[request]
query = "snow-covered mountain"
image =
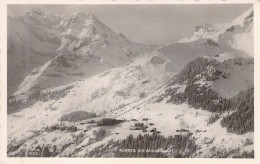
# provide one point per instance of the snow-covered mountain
(129, 92)
(186, 89)
(237, 34)
(63, 49)
(32, 41)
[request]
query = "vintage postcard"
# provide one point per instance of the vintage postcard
(115, 80)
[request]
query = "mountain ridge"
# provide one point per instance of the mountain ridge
(187, 92)
(82, 35)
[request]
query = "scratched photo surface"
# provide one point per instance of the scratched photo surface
(148, 81)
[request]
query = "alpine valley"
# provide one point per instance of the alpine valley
(78, 89)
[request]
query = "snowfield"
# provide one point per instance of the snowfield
(92, 69)
(166, 118)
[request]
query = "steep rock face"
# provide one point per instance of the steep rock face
(46, 40)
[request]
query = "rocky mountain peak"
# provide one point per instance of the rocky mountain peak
(35, 12)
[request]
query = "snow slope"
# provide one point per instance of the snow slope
(119, 91)
(225, 77)
(30, 44)
(96, 70)
(180, 54)
(237, 34)
(166, 117)
(115, 88)
(87, 47)
(241, 78)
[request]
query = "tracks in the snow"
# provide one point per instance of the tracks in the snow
(144, 100)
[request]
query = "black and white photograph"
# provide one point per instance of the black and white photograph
(130, 80)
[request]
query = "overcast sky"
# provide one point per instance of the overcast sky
(150, 24)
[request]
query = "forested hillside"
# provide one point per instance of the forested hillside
(196, 81)
(242, 119)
